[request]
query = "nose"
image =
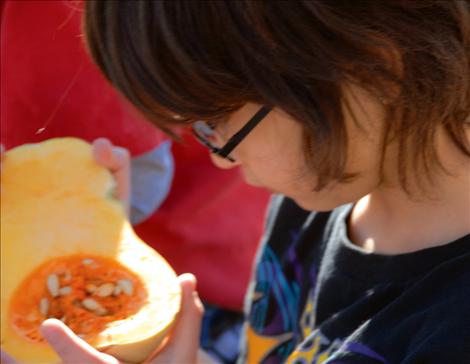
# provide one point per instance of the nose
(223, 163)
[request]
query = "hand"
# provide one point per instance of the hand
(181, 345)
(117, 161)
(6, 359)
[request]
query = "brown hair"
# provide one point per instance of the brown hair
(206, 59)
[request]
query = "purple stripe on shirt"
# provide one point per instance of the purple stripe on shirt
(364, 350)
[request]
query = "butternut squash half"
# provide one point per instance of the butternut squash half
(69, 252)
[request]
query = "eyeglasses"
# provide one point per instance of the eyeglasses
(206, 134)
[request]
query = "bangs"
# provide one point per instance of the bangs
(174, 67)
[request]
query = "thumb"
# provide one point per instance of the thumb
(192, 309)
(70, 347)
(6, 359)
(183, 343)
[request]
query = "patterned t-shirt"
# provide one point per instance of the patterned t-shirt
(317, 298)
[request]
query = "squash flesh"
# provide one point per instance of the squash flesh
(55, 202)
(80, 280)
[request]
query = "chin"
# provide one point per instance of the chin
(254, 183)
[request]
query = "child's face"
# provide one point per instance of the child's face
(271, 155)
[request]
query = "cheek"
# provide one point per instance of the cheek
(287, 176)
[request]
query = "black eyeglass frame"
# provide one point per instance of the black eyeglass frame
(237, 137)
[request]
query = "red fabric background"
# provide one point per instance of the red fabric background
(211, 222)
(47, 81)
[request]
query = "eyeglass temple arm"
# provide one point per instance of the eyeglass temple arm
(243, 132)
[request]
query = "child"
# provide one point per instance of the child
(356, 114)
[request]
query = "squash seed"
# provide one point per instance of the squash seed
(117, 290)
(105, 290)
(87, 261)
(44, 306)
(91, 304)
(126, 286)
(53, 284)
(64, 291)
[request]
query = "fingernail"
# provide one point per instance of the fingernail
(187, 277)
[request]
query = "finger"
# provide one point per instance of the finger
(70, 347)
(6, 359)
(189, 320)
(109, 156)
(102, 151)
(183, 343)
(191, 300)
(117, 160)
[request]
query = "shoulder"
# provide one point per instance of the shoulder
(445, 329)
(432, 315)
